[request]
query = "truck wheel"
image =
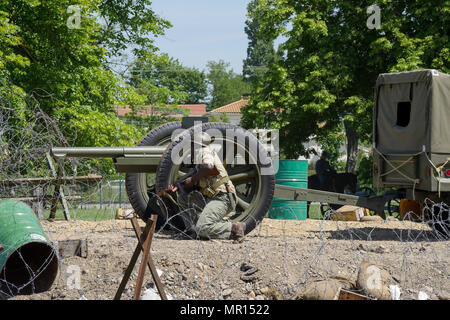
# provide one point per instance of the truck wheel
(254, 181)
(138, 184)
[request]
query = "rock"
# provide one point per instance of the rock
(264, 290)
(227, 292)
(260, 297)
(252, 295)
(179, 269)
(375, 280)
(250, 278)
(428, 289)
(202, 266)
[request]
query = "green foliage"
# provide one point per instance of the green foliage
(64, 70)
(148, 122)
(329, 60)
(219, 118)
(332, 144)
(260, 52)
(226, 86)
(164, 80)
(365, 170)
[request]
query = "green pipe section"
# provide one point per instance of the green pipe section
(28, 261)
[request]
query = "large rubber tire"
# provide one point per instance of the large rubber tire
(137, 184)
(260, 188)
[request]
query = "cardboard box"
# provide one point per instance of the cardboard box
(348, 213)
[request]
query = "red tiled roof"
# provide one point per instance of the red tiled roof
(234, 107)
(194, 110)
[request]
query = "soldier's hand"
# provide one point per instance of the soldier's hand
(172, 188)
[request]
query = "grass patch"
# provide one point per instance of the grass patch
(84, 214)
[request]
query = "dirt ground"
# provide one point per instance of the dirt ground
(286, 253)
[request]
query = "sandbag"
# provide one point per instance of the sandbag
(374, 280)
(325, 289)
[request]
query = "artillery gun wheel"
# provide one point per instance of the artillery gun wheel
(255, 188)
(139, 184)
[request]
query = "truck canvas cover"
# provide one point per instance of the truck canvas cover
(412, 110)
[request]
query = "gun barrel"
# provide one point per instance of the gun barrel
(107, 152)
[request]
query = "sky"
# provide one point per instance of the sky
(204, 30)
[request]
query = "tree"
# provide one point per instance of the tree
(330, 60)
(64, 68)
(57, 55)
(226, 86)
(164, 80)
(260, 52)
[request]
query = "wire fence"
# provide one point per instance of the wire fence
(279, 259)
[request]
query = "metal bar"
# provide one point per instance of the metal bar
(46, 197)
(150, 263)
(133, 260)
(144, 261)
(107, 152)
(300, 194)
(128, 271)
(88, 178)
(401, 154)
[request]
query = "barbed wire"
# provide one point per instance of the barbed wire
(279, 259)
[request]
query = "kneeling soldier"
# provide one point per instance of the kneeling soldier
(212, 180)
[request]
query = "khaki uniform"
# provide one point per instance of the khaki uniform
(220, 203)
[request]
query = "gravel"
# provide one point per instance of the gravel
(274, 261)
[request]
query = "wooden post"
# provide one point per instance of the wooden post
(144, 245)
(150, 262)
(38, 203)
(58, 193)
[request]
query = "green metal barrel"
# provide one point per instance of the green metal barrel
(28, 261)
(292, 173)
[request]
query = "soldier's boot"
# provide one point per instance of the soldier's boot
(237, 232)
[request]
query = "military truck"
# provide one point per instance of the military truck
(411, 134)
(411, 140)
